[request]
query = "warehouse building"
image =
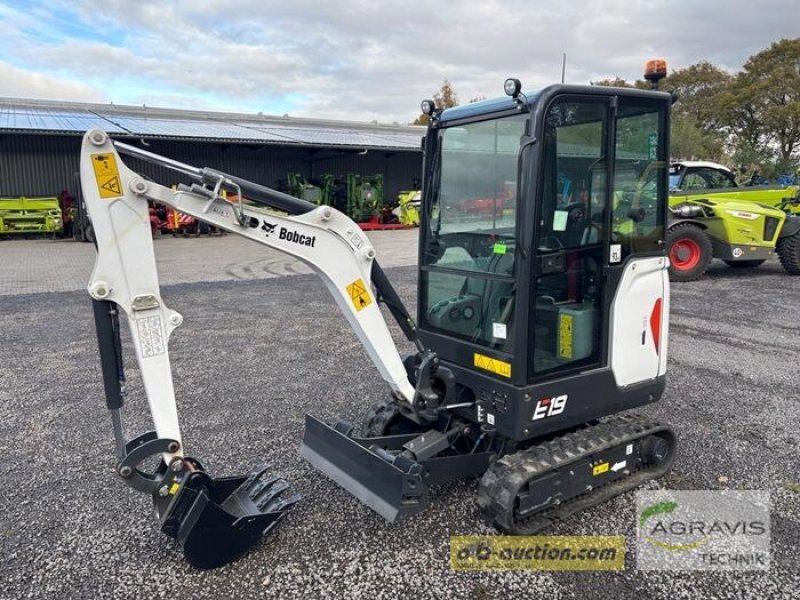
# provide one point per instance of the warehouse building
(40, 145)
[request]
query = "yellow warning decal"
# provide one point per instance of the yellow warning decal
(107, 174)
(565, 336)
(174, 488)
(493, 365)
(359, 295)
(600, 469)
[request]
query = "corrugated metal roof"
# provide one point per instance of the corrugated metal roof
(176, 128)
(37, 116)
(19, 117)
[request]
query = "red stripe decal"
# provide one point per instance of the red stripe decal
(655, 324)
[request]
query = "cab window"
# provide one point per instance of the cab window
(707, 178)
(640, 178)
(571, 238)
(467, 281)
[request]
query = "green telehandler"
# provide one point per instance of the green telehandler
(712, 217)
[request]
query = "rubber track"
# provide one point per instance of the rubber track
(500, 485)
(376, 421)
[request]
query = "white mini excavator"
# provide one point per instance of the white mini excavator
(542, 312)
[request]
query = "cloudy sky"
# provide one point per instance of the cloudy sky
(356, 59)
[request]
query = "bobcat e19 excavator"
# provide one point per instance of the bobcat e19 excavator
(536, 318)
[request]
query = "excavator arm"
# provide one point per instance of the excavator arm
(214, 519)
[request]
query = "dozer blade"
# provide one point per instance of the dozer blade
(389, 484)
(216, 520)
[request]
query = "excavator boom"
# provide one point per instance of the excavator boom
(214, 519)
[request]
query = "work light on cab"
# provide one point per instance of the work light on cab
(427, 107)
(512, 87)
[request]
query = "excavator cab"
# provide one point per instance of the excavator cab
(543, 297)
(522, 290)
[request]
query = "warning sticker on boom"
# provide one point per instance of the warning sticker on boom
(106, 172)
(359, 295)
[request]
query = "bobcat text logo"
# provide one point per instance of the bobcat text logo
(297, 238)
(549, 407)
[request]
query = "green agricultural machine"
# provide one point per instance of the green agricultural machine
(30, 215)
(317, 190)
(364, 196)
(358, 196)
(712, 217)
(408, 207)
(699, 178)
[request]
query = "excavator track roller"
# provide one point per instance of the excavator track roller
(526, 491)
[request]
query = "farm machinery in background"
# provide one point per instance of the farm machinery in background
(360, 197)
(408, 206)
(713, 217)
(178, 222)
(30, 215)
(318, 190)
(163, 220)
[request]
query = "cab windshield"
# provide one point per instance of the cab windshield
(471, 240)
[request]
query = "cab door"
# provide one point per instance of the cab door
(570, 238)
(638, 281)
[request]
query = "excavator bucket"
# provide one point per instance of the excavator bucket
(391, 485)
(216, 520)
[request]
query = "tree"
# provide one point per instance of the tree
(698, 122)
(690, 142)
(446, 97)
(620, 82)
(769, 89)
(748, 118)
(699, 88)
(609, 82)
(739, 110)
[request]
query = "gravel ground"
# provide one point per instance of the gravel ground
(253, 356)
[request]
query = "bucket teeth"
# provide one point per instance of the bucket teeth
(260, 487)
(255, 475)
(269, 492)
(277, 504)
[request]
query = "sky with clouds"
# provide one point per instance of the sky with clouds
(355, 59)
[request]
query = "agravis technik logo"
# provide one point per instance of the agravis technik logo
(703, 530)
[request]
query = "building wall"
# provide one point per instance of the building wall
(37, 165)
(43, 165)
